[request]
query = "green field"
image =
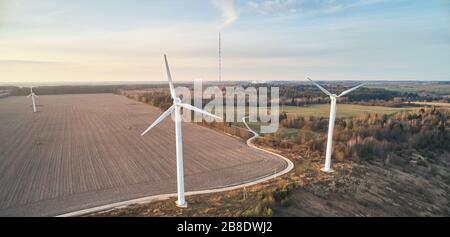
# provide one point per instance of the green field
(438, 88)
(343, 110)
(323, 110)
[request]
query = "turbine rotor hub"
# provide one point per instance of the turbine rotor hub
(177, 101)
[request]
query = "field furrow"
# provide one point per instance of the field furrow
(82, 151)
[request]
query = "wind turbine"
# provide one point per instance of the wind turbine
(327, 167)
(177, 105)
(33, 96)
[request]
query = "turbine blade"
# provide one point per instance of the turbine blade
(169, 78)
(195, 109)
(350, 90)
(28, 96)
(158, 120)
(321, 88)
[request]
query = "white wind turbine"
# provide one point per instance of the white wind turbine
(327, 167)
(33, 99)
(177, 105)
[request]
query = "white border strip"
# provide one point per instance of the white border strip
(148, 199)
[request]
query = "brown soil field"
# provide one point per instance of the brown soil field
(83, 151)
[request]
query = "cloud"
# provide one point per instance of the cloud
(317, 7)
(229, 11)
(25, 62)
(2, 11)
(273, 6)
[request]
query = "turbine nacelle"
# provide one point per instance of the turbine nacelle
(32, 94)
(177, 105)
(334, 95)
(177, 101)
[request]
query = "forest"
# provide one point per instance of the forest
(369, 136)
(363, 137)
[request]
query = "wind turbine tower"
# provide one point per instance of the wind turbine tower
(176, 107)
(333, 97)
(33, 99)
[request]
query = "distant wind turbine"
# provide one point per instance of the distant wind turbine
(327, 167)
(177, 105)
(33, 98)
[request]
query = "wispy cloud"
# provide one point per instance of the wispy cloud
(229, 11)
(25, 62)
(272, 6)
(270, 39)
(317, 7)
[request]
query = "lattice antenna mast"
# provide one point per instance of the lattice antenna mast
(220, 57)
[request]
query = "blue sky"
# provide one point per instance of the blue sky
(120, 40)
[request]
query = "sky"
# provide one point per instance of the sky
(125, 40)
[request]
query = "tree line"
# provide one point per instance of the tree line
(370, 136)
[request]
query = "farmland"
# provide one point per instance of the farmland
(343, 110)
(436, 104)
(82, 151)
(441, 88)
(323, 110)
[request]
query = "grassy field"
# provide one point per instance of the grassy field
(343, 110)
(323, 110)
(437, 104)
(438, 88)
